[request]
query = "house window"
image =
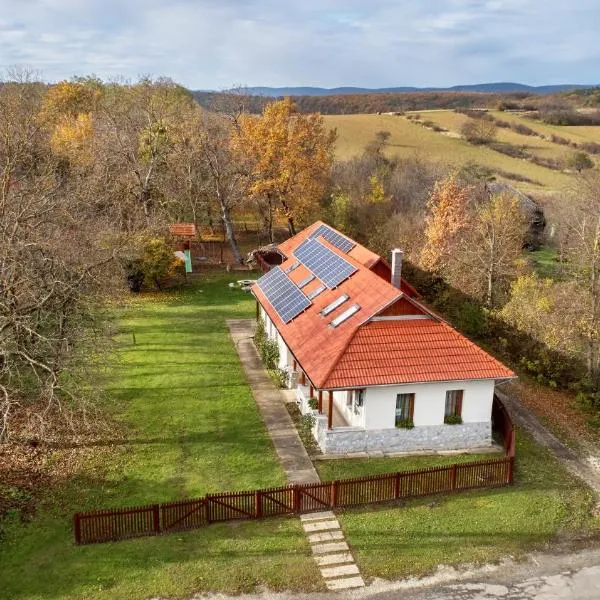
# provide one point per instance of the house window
(349, 398)
(405, 407)
(359, 400)
(454, 400)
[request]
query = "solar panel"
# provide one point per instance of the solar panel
(283, 294)
(333, 237)
(330, 268)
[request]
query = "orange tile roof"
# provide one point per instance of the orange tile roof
(183, 229)
(411, 351)
(359, 352)
(315, 344)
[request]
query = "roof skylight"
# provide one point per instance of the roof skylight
(305, 281)
(316, 292)
(337, 302)
(351, 310)
(293, 266)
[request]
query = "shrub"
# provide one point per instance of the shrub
(522, 129)
(509, 149)
(156, 264)
(557, 139)
(405, 424)
(579, 161)
(591, 147)
(260, 335)
(281, 377)
(453, 420)
(479, 131)
(305, 430)
(270, 354)
(313, 403)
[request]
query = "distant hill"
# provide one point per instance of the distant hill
(498, 88)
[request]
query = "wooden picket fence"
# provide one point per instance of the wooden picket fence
(122, 523)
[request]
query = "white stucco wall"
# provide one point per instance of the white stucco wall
(430, 401)
(353, 418)
(285, 356)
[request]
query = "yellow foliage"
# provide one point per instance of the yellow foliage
(72, 138)
(289, 157)
(447, 217)
(68, 99)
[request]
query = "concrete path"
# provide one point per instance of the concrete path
(330, 550)
(271, 403)
(569, 458)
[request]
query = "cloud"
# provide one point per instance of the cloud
(216, 43)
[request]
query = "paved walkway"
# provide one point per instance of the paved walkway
(330, 550)
(570, 459)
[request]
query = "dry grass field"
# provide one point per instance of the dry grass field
(409, 139)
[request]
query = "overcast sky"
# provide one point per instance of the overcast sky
(214, 44)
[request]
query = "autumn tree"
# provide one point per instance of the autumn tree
(447, 218)
(479, 131)
(288, 159)
(579, 161)
(489, 255)
(580, 233)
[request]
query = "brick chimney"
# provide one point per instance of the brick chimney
(396, 267)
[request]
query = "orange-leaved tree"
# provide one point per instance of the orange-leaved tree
(447, 217)
(288, 158)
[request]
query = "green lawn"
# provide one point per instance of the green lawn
(545, 262)
(192, 427)
(340, 468)
(470, 527)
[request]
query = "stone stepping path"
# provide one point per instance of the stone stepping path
(331, 552)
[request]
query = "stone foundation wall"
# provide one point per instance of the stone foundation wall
(343, 440)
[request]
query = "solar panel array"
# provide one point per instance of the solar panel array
(283, 294)
(333, 237)
(330, 268)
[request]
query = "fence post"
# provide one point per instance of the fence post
(297, 498)
(257, 505)
(397, 486)
(334, 493)
(207, 512)
(453, 477)
(77, 528)
(511, 464)
(156, 518)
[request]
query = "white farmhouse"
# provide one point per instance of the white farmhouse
(377, 368)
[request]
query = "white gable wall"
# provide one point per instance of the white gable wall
(430, 402)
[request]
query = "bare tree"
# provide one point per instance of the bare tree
(51, 265)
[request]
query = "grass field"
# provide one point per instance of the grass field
(354, 131)
(473, 527)
(192, 427)
(532, 144)
(409, 139)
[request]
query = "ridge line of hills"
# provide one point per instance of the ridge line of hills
(495, 87)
